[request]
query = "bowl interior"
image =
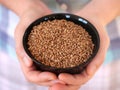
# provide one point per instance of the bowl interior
(69, 17)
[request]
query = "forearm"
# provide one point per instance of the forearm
(103, 10)
(22, 6)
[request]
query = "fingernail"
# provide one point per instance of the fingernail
(26, 61)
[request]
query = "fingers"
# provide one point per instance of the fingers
(37, 77)
(40, 77)
(78, 79)
(30, 72)
(63, 87)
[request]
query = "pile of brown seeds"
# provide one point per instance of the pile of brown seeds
(60, 43)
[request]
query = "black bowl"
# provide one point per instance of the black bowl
(69, 17)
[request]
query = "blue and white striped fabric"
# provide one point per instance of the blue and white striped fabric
(11, 76)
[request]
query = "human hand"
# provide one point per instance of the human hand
(29, 70)
(74, 82)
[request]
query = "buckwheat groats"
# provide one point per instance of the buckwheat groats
(60, 44)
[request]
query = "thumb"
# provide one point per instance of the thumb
(23, 58)
(21, 54)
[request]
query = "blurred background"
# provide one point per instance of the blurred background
(11, 76)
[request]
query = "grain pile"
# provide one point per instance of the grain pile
(60, 43)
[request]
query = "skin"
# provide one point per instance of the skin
(34, 9)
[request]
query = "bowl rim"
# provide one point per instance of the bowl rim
(83, 20)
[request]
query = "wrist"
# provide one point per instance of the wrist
(92, 17)
(34, 11)
(33, 7)
(103, 10)
(16, 6)
(20, 7)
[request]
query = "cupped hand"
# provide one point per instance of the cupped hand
(29, 70)
(74, 82)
